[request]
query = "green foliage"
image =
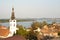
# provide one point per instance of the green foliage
(53, 22)
(31, 35)
(44, 23)
(35, 25)
(4, 20)
(59, 33)
(21, 31)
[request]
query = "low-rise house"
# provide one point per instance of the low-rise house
(49, 31)
(28, 29)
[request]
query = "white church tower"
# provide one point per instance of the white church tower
(12, 21)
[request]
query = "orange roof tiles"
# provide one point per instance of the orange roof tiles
(15, 37)
(3, 27)
(4, 31)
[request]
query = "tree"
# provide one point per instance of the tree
(44, 23)
(21, 31)
(53, 22)
(35, 25)
(59, 33)
(31, 35)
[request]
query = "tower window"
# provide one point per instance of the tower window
(13, 21)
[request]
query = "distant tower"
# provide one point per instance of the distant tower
(12, 23)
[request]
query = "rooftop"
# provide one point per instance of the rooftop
(16, 37)
(4, 31)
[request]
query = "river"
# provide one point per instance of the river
(28, 23)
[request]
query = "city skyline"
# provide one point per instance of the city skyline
(30, 8)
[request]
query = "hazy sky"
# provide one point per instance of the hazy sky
(30, 8)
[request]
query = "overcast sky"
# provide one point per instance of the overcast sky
(30, 8)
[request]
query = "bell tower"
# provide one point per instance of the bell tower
(12, 23)
(12, 16)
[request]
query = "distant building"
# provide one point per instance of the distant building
(49, 31)
(38, 30)
(56, 24)
(28, 29)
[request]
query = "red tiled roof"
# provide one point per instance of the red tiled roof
(4, 31)
(3, 27)
(16, 37)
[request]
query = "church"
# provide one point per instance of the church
(5, 32)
